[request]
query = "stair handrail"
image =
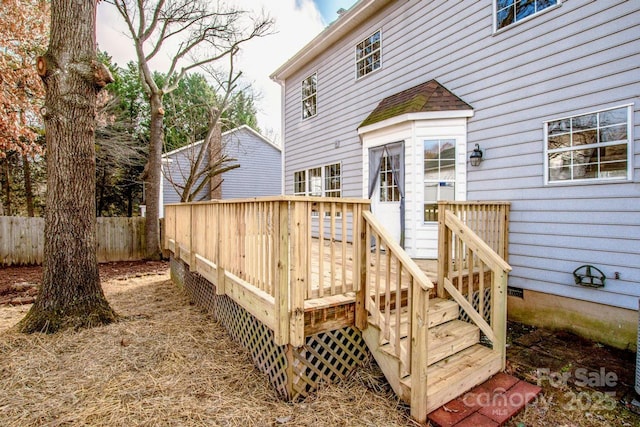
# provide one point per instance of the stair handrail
(496, 331)
(413, 361)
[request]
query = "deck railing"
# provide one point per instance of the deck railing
(475, 276)
(272, 255)
(489, 220)
(397, 300)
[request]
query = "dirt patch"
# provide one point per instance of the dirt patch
(18, 285)
(584, 383)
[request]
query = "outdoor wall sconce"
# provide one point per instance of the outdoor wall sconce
(476, 156)
(588, 275)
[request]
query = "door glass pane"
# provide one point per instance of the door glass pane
(389, 191)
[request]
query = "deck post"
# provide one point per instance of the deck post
(300, 260)
(220, 286)
(281, 279)
(360, 264)
(443, 249)
(419, 349)
(499, 313)
(504, 232)
(192, 252)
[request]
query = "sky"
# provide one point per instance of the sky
(297, 22)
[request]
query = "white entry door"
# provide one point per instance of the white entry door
(386, 197)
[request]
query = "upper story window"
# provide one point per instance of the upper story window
(593, 146)
(511, 11)
(309, 99)
(368, 55)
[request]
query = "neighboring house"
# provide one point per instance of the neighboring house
(259, 174)
(391, 99)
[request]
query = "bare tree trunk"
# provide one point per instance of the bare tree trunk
(26, 170)
(71, 295)
(152, 178)
(215, 154)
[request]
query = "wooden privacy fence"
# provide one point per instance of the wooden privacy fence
(22, 239)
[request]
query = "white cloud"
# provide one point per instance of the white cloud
(296, 23)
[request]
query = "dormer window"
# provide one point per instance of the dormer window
(309, 99)
(368, 55)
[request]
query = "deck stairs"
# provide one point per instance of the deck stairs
(456, 360)
(426, 338)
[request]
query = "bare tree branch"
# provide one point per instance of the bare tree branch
(205, 33)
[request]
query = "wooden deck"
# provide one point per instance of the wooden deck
(319, 275)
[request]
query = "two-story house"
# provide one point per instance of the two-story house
(535, 102)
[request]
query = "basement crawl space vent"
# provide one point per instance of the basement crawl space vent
(515, 292)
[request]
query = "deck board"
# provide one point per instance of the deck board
(334, 274)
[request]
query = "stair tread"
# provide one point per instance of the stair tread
(459, 373)
(440, 311)
(445, 340)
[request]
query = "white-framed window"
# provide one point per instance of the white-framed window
(509, 12)
(309, 96)
(321, 181)
(333, 180)
(369, 55)
(439, 175)
(300, 183)
(594, 146)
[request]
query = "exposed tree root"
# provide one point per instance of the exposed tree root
(50, 321)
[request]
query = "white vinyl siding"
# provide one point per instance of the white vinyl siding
(582, 56)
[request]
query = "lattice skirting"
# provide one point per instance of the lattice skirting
(294, 372)
(486, 313)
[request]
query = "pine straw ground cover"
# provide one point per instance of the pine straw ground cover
(166, 363)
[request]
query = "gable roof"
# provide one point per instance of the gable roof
(252, 131)
(427, 97)
(357, 14)
(225, 135)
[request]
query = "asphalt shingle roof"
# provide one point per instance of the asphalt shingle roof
(425, 97)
